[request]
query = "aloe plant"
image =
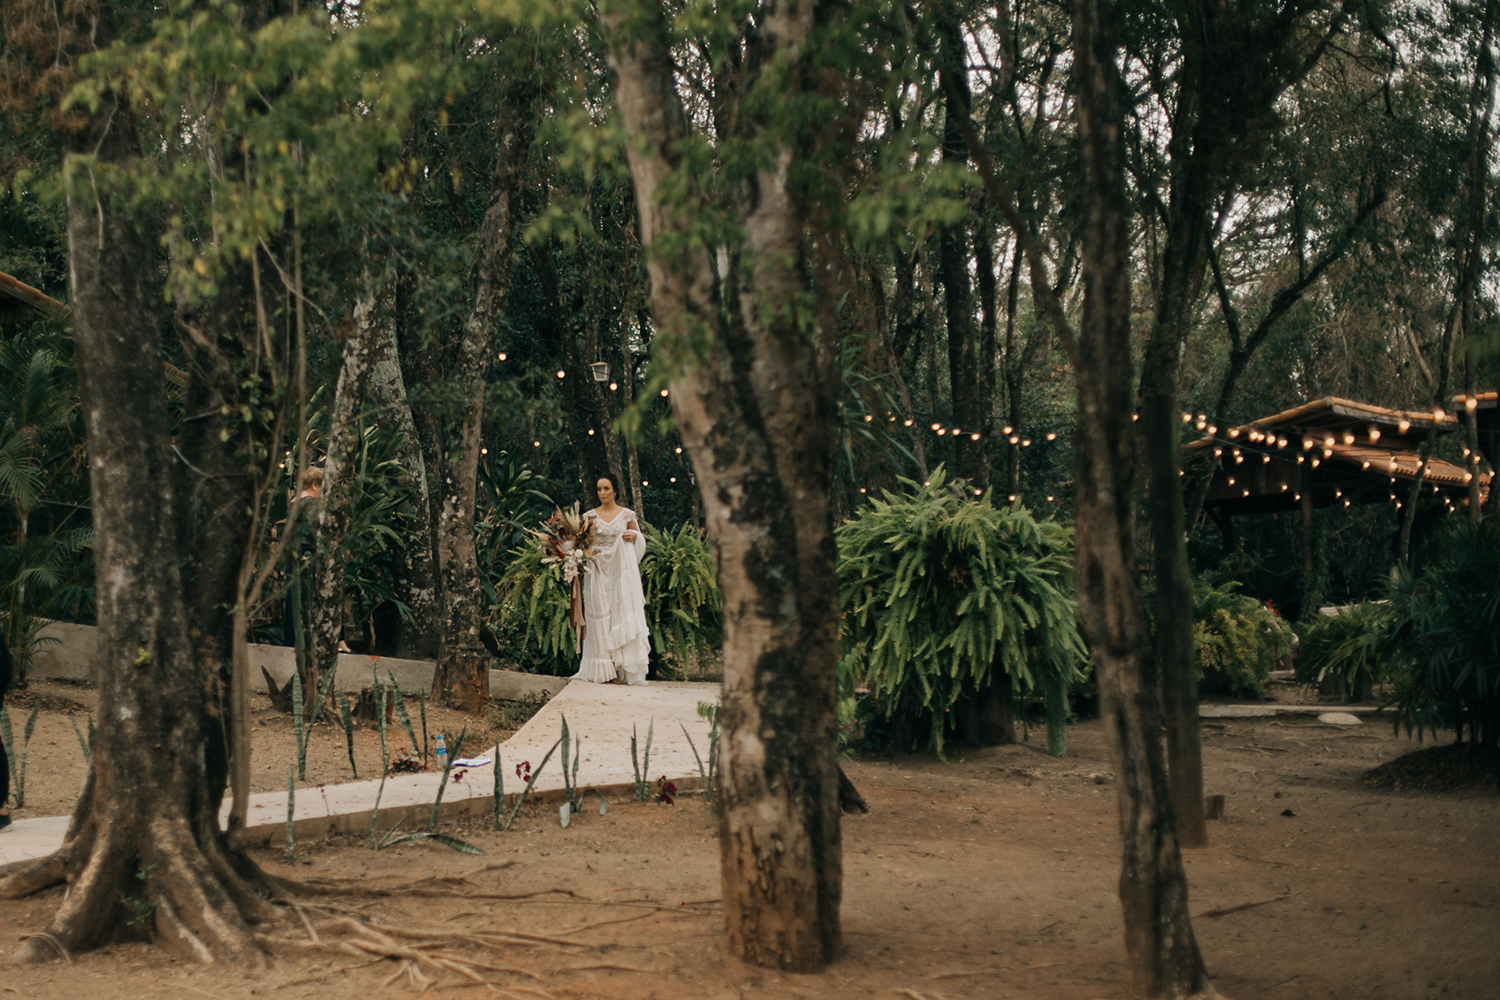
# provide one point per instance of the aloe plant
(405, 718)
(346, 720)
(454, 754)
(18, 761)
(642, 772)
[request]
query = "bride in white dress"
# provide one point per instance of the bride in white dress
(615, 638)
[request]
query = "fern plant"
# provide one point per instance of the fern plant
(533, 609)
(1343, 645)
(1236, 639)
(683, 603)
(942, 597)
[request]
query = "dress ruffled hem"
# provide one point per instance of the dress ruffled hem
(598, 671)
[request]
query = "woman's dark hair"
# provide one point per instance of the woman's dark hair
(614, 481)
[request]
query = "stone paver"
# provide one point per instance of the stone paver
(601, 714)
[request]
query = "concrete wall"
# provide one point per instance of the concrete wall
(69, 653)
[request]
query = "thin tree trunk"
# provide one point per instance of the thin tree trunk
(953, 253)
(984, 259)
(416, 573)
(1153, 888)
(461, 679)
(893, 361)
(586, 422)
(756, 414)
(331, 514)
(422, 456)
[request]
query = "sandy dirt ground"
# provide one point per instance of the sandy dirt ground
(990, 876)
(54, 759)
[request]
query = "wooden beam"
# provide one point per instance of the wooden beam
(26, 295)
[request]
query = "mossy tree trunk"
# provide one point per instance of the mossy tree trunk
(753, 393)
(143, 851)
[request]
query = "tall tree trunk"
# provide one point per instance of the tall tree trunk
(144, 838)
(461, 679)
(755, 410)
(1153, 888)
(1015, 371)
(984, 260)
(332, 513)
(421, 455)
(953, 251)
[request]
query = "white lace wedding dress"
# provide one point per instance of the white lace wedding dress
(615, 640)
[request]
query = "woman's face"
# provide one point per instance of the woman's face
(606, 492)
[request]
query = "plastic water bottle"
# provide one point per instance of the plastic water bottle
(442, 753)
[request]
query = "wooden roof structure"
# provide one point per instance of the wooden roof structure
(19, 300)
(1332, 452)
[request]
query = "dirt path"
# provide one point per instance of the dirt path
(992, 876)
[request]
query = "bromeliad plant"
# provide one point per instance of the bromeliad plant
(943, 596)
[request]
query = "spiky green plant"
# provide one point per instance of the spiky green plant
(942, 594)
(1236, 639)
(499, 777)
(291, 808)
(378, 696)
(304, 732)
(458, 749)
(1443, 634)
(346, 720)
(18, 760)
(1343, 645)
(570, 781)
(86, 745)
(401, 714)
(642, 774)
(530, 781)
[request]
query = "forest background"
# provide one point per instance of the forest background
(394, 240)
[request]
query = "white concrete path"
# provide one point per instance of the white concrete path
(601, 714)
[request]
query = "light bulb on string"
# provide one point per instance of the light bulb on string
(500, 356)
(561, 373)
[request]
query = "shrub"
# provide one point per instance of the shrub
(534, 613)
(1236, 640)
(683, 604)
(1343, 645)
(1443, 630)
(943, 598)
